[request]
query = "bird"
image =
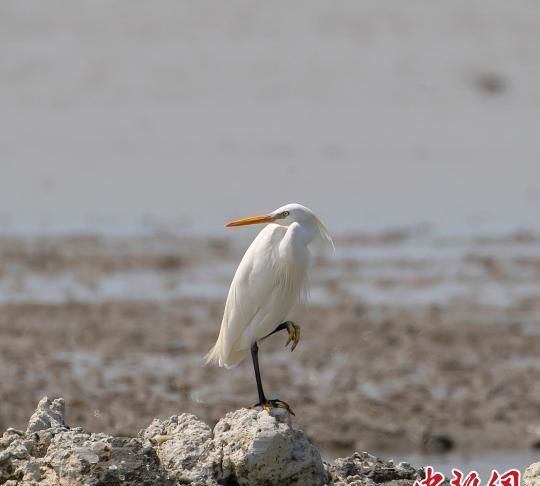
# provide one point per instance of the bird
(270, 279)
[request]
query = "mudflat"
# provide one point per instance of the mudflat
(411, 341)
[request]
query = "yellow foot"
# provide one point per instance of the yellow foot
(293, 330)
(270, 404)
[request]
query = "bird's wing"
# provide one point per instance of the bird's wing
(254, 282)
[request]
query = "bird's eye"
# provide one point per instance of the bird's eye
(285, 214)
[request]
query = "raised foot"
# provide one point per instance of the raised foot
(270, 404)
(293, 330)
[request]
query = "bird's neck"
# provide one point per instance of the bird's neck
(302, 233)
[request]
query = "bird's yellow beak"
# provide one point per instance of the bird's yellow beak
(252, 220)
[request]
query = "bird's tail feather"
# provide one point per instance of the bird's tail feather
(213, 356)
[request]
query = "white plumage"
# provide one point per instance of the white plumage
(270, 279)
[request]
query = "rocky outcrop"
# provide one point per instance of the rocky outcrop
(49, 453)
(246, 447)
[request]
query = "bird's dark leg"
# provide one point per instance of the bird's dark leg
(263, 401)
(293, 330)
(255, 357)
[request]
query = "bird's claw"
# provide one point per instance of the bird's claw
(293, 330)
(270, 404)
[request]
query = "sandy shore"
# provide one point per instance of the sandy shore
(422, 363)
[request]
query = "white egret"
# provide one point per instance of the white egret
(270, 279)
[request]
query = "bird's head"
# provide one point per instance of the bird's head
(288, 214)
(284, 216)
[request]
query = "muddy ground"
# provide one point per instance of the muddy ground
(412, 341)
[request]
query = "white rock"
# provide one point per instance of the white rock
(261, 448)
(184, 446)
(532, 475)
(47, 415)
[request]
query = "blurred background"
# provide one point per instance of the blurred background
(131, 131)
